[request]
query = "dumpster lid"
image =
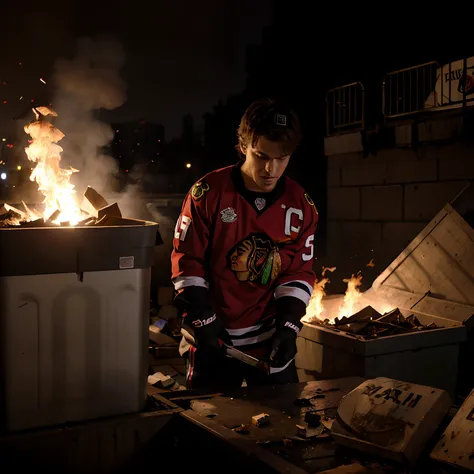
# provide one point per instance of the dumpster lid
(435, 272)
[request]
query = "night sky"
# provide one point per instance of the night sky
(180, 56)
(184, 56)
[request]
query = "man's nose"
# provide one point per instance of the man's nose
(269, 166)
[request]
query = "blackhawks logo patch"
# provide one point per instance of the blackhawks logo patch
(199, 190)
(255, 259)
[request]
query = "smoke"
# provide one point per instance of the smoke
(86, 84)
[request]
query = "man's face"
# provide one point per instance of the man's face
(264, 165)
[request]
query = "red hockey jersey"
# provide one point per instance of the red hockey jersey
(249, 251)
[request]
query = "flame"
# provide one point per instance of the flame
(53, 181)
(315, 307)
(351, 296)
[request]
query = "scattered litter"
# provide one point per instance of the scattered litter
(161, 380)
(242, 429)
(312, 418)
(327, 422)
(369, 323)
(204, 408)
(260, 420)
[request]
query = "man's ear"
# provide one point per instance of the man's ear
(243, 149)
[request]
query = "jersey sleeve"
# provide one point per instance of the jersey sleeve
(190, 241)
(295, 285)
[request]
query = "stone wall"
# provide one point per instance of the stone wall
(385, 186)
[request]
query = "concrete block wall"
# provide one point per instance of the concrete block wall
(379, 201)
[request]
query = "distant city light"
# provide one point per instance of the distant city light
(188, 165)
(3, 176)
(4, 139)
(18, 167)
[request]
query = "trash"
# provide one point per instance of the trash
(204, 408)
(312, 418)
(161, 380)
(242, 429)
(369, 323)
(319, 432)
(260, 420)
(327, 422)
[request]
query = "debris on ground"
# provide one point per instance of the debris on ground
(260, 420)
(204, 408)
(312, 418)
(369, 323)
(242, 429)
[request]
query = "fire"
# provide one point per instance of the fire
(315, 308)
(351, 296)
(53, 181)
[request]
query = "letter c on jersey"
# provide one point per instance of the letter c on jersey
(182, 227)
(288, 215)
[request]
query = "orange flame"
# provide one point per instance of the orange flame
(315, 306)
(53, 181)
(351, 296)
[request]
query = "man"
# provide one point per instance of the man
(242, 257)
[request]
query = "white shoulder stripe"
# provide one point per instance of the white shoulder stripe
(183, 282)
(302, 282)
(302, 295)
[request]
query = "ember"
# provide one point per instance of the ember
(61, 207)
(369, 323)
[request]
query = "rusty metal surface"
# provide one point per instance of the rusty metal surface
(222, 412)
(277, 444)
(239, 406)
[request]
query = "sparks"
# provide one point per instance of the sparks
(42, 80)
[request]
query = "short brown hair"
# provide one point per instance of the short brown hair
(271, 119)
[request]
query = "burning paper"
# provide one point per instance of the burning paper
(53, 181)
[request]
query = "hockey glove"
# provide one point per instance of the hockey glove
(199, 319)
(289, 313)
(207, 330)
(284, 345)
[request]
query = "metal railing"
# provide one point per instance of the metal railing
(345, 108)
(407, 90)
(427, 87)
(418, 89)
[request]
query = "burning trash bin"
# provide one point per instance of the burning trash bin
(413, 321)
(74, 300)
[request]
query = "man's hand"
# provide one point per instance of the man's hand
(207, 330)
(284, 344)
